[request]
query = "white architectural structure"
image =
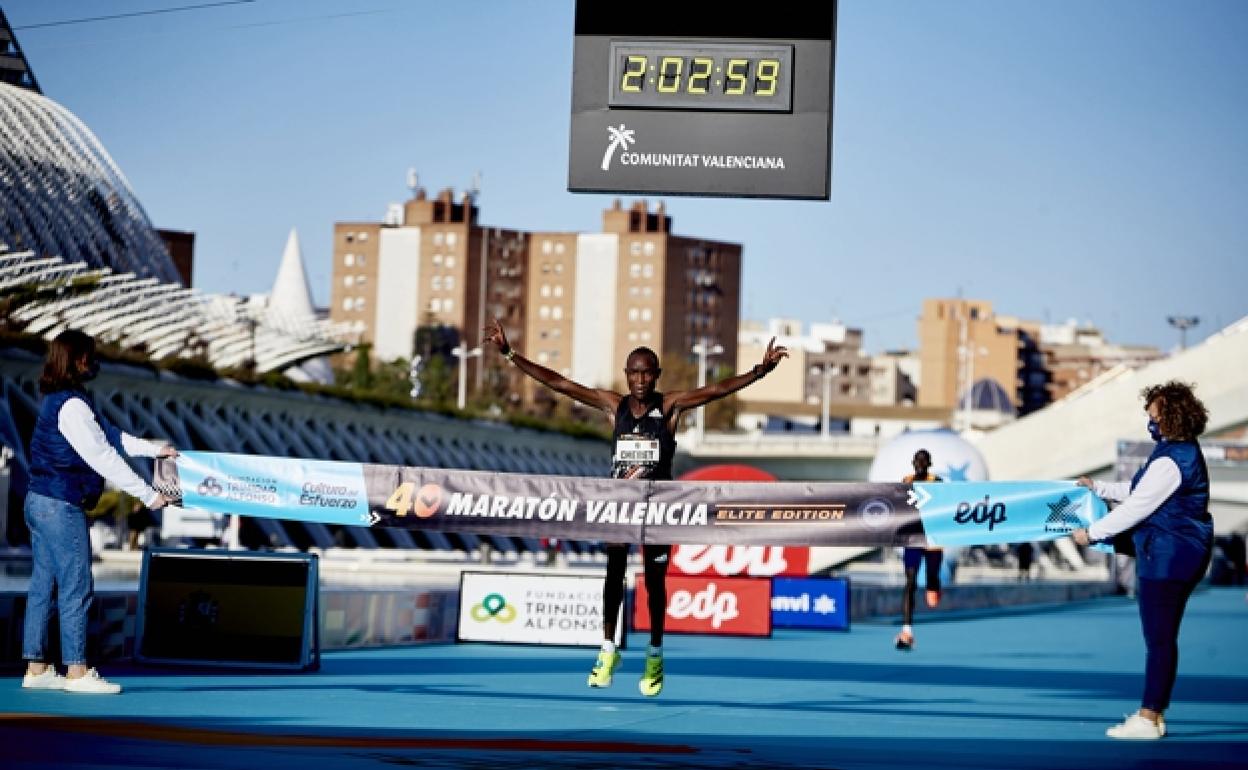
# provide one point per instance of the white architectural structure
(61, 193)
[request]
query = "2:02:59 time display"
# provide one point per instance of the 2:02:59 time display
(702, 76)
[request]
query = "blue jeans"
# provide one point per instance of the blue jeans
(62, 560)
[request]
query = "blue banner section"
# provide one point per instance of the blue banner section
(1004, 511)
(275, 487)
(810, 603)
(628, 511)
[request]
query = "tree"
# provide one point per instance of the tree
(437, 383)
(361, 377)
(680, 372)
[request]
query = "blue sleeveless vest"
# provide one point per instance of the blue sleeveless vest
(56, 470)
(1176, 541)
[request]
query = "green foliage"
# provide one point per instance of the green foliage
(362, 372)
(437, 383)
(680, 372)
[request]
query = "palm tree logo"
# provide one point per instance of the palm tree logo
(621, 137)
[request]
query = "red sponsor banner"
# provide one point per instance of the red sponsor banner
(741, 560)
(710, 605)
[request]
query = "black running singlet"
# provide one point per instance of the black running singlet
(642, 447)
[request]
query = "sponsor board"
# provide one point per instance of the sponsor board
(702, 605)
(734, 560)
(513, 608)
(810, 603)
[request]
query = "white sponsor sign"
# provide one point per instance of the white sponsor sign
(533, 609)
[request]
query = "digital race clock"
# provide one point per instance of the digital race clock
(707, 76)
(682, 98)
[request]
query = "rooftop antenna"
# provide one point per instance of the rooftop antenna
(474, 188)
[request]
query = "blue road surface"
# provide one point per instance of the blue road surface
(1023, 691)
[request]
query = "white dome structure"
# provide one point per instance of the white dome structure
(62, 195)
(953, 457)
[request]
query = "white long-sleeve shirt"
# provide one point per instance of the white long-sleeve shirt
(78, 425)
(1156, 485)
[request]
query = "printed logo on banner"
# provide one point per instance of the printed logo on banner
(982, 512)
(210, 486)
(428, 500)
(810, 603)
(876, 512)
(698, 605)
(493, 607)
(731, 560)
(1063, 516)
(242, 489)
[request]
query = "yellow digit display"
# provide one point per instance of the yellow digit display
(702, 75)
(738, 71)
(765, 77)
(669, 74)
(634, 74)
(699, 74)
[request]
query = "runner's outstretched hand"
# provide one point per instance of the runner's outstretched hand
(494, 333)
(771, 358)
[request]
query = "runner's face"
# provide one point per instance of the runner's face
(641, 372)
(921, 463)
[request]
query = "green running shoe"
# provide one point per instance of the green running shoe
(651, 683)
(605, 666)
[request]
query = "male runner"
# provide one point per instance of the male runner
(643, 426)
(913, 556)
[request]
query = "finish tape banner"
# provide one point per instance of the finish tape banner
(624, 511)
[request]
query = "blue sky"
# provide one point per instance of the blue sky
(1072, 158)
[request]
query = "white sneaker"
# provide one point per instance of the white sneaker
(48, 680)
(91, 682)
(1136, 728)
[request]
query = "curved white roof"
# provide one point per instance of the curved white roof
(62, 195)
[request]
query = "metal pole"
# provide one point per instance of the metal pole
(961, 418)
(700, 415)
(485, 266)
(824, 431)
(462, 352)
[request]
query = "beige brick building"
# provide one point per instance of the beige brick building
(575, 302)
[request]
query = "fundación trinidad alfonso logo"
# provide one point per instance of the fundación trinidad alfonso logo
(210, 487)
(621, 138)
(494, 607)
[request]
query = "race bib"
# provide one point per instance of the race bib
(636, 450)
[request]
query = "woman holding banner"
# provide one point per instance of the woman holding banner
(644, 426)
(1165, 509)
(73, 450)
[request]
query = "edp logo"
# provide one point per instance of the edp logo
(981, 512)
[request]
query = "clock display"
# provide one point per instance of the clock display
(697, 75)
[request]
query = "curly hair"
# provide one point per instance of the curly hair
(1182, 415)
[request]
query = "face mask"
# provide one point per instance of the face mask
(1154, 430)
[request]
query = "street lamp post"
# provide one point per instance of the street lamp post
(703, 349)
(462, 352)
(1183, 323)
(826, 371)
